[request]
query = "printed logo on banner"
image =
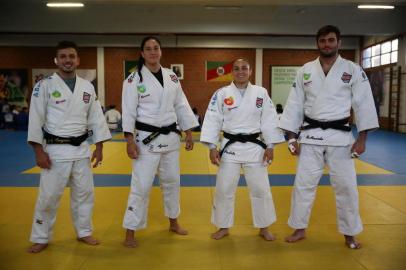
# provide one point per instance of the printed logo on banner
(86, 97)
(174, 78)
(229, 101)
(141, 88)
(346, 78)
(56, 94)
(306, 76)
(259, 102)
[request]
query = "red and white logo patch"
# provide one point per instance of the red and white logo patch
(259, 102)
(174, 78)
(346, 78)
(86, 97)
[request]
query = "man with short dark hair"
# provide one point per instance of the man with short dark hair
(318, 107)
(64, 110)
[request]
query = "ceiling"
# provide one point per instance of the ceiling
(185, 17)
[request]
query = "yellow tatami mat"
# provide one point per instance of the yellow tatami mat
(383, 210)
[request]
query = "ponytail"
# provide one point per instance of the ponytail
(141, 62)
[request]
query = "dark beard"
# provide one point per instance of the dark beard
(328, 55)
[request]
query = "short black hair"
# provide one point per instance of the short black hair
(328, 29)
(64, 44)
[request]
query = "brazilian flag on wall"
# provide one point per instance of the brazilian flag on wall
(129, 67)
(219, 71)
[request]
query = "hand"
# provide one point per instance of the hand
(215, 157)
(268, 156)
(359, 146)
(42, 158)
(294, 147)
(132, 150)
(97, 156)
(189, 140)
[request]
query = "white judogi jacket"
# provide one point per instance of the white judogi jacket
(150, 103)
(233, 113)
(62, 113)
(328, 98)
(113, 117)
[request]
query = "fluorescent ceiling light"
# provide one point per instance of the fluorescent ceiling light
(64, 5)
(376, 6)
(222, 7)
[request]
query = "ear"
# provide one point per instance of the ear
(55, 61)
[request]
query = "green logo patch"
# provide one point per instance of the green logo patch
(306, 76)
(56, 94)
(141, 88)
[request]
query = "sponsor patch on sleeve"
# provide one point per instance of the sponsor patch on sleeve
(174, 78)
(86, 97)
(259, 102)
(346, 78)
(131, 77)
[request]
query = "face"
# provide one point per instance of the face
(67, 60)
(328, 45)
(241, 71)
(152, 52)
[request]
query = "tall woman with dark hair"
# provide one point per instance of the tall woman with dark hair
(154, 106)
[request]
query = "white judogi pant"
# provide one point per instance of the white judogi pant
(52, 184)
(312, 159)
(256, 174)
(144, 170)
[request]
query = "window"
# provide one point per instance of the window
(384, 53)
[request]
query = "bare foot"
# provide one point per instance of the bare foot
(351, 243)
(297, 235)
(89, 240)
(129, 240)
(267, 235)
(222, 232)
(37, 247)
(175, 227)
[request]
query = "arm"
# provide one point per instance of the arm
(293, 114)
(269, 128)
(212, 124)
(129, 107)
(184, 114)
(37, 118)
(363, 102)
(363, 106)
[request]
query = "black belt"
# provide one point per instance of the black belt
(75, 141)
(336, 124)
(242, 138)
(156, 130)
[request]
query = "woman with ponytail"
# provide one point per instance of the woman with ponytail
(154, 107)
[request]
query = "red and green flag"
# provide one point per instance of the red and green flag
(219, 71)
(129, 67)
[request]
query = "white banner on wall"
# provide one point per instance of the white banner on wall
(282, 78)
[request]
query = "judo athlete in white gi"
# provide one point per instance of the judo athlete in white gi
(319, 105)
(154, 104)
(63, 109)
(247, 117)
(113, 118)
